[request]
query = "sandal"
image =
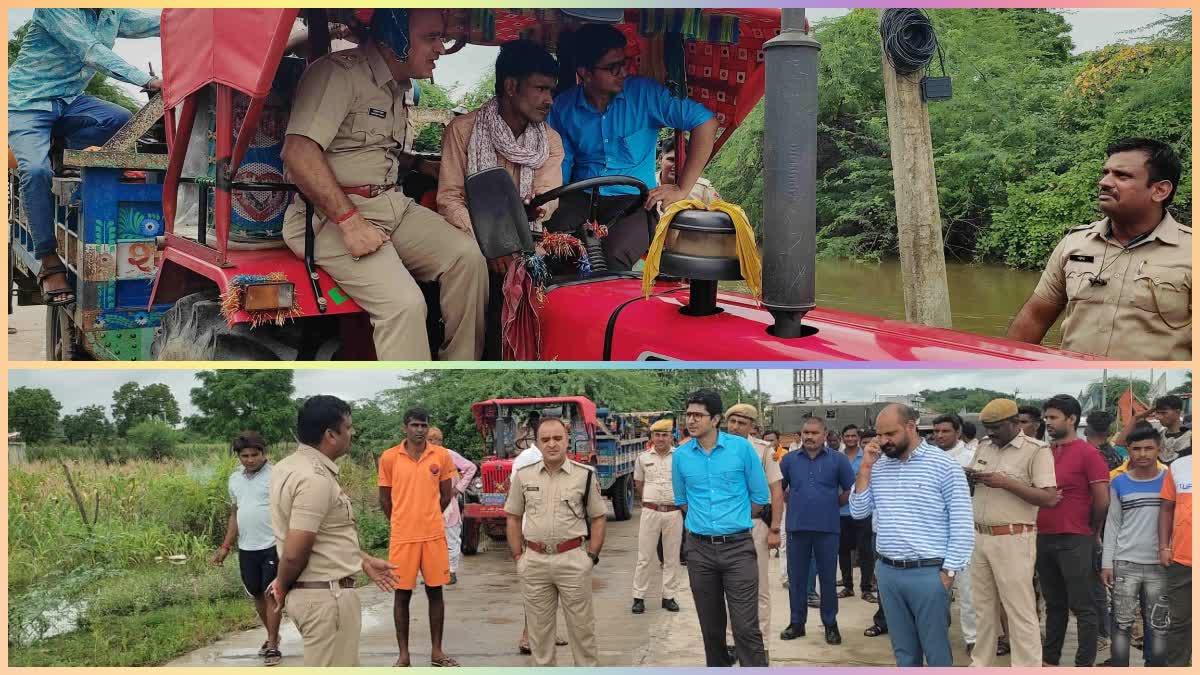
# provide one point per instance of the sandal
(874, 631)
(523, 647)
(444, 662)
(58, 296)
(398, 664)
(870, 597)
(272, 657)
(262, 651)
(560, 642)
(846, 593)
(1002, 648)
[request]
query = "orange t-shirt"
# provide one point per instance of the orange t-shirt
(1178, 488)
(416, 503)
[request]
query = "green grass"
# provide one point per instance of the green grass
(148, 638)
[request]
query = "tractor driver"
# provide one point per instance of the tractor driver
(344, 149)
(609, 126)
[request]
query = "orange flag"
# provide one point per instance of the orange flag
(1128, 406)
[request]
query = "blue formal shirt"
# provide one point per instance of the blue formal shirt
(854, 464)
(813, 485)
(922, 508)
(66, 47)
(718, 487)
(623, 140)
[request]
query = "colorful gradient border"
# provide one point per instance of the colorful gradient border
(936, 4)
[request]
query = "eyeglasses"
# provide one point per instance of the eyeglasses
(615, 68)
(696, 415)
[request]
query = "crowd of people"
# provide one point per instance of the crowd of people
(1095, 524)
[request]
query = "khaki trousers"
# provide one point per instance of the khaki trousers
(551, 581)
(424, 247)
(1002, 572)
(330, 621)
(653, 523)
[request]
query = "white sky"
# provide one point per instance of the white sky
(1090, 29)
(77, 388)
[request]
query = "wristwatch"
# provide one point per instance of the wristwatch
(949, 573)
(595, 558)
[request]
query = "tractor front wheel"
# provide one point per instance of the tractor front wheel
(470, 536)
(195, 330)
(622, 498)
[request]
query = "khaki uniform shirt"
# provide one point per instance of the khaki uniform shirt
(1026, 459)
(306, 495)
(552, 503)
(452, 194)
(654, 470)
(770, 465)
(348, 103)
(1143, 312)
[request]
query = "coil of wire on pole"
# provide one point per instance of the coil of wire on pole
(909, 40)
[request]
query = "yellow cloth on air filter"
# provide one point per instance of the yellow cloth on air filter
(747, 250)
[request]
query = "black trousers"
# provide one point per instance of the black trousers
(726, 575)
(856, 536)
(1067, 577)
(628, 239)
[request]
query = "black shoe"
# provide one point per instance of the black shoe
(732, 654)
(639, 606)
(832, 636)
(453, 579)
(814, 600)
(670, 605)
(793, 631)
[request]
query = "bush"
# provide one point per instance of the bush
(153, 439)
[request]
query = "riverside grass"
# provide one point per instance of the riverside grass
(107, 593)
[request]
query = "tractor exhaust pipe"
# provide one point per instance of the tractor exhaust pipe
(789, 227)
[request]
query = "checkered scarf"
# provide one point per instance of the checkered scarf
(491, 137)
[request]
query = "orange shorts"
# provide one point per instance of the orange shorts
(431, 558)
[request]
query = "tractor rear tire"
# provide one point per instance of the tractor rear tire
(195, 330)
(470, 536)
(61, 336)
(622, 498)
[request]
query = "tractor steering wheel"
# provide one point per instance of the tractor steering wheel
(594, 185)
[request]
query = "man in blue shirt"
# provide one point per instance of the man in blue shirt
(925, 533)
(856, 534)
(719, 481)
(61, 52)
(818, 481)
(609, 126)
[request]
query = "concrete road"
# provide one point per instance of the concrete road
(29, 342)
(484, 620)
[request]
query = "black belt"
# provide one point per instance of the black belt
(910, 564)
(721, 538)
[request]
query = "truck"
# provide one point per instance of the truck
(607, 441)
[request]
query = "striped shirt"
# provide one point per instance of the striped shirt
(1131, 530)
(922, 508)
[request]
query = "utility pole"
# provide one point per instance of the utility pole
(919, 222)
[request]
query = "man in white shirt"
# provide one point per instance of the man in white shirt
(947, 435)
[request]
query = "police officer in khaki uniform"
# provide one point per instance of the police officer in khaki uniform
(739, 420)
(660, 517)
(553, 549)
(1124, 281)
(319, 555)
(344, 149)
(1013, 476)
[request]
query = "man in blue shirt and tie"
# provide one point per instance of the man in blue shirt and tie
(61, 52)
(609, 126)
(925, 531)
(719, 481)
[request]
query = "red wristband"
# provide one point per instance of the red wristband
(346, 216)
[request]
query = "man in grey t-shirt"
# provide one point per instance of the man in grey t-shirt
(250, 525)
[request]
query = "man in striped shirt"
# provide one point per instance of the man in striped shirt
(922, 510)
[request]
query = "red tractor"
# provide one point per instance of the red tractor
(610, 442)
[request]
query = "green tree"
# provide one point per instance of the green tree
(34, 413)
(89, 424)
(480, 92)
(230, 401)
(153, 439)
(133, 403)
(1186, 387)
(99, 86)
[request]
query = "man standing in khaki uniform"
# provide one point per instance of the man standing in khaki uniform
(1013, 475)
(344, 149)
(1124, 281)
(660, 517)
(319, 555)
(739, 420)
(554, 550)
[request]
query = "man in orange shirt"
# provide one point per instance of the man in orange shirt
(414, 489)
(1175, 554)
